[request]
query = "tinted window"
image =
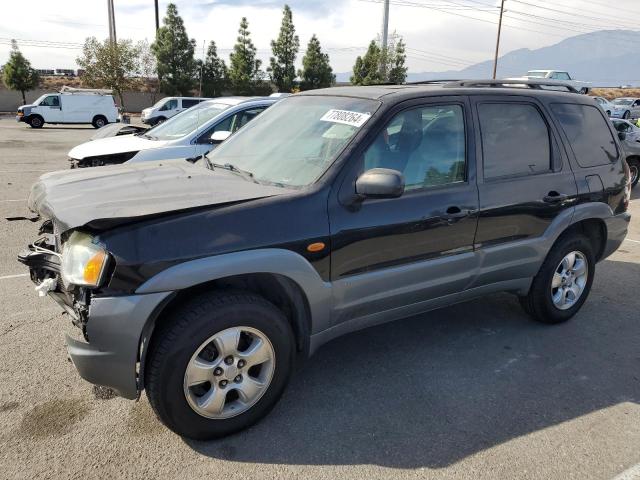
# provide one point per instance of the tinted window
(189, 102)
(426, 144)
(588, 133)
(515, 140)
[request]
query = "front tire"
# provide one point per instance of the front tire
(36, 122)
(626, 115)
(219, 364)
(564, 281)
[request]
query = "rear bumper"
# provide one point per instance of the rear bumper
(115, 327)
(617, 228)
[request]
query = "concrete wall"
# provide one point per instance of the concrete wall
(134, 101)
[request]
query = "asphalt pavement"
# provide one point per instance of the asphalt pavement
(473, 391)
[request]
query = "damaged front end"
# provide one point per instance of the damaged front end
(53, 268)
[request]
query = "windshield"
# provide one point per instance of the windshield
(186, 121)
(623, 101)
(536, 74)
(295, 141)
(40, 98)
(159, 103)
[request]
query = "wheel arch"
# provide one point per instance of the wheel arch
(283, 277)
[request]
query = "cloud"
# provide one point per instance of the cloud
(437, 40)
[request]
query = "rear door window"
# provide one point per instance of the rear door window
(515, 140)
(588, 133)
(189, 102)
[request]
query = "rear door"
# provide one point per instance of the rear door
(524, 180)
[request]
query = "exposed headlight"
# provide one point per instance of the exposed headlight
(83, 262)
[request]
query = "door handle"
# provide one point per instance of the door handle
(555, 197)
(454, 210)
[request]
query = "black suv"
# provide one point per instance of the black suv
(334, 210)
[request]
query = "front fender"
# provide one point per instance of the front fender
(270, 260)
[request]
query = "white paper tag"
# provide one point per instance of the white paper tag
(346, 117)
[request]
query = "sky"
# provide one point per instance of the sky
(440, 34)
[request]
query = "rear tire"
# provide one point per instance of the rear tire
(634, 168)
(36, 122)
(190, 335)
(99, 121)
(548, 304)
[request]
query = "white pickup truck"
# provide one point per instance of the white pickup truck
(557, 75)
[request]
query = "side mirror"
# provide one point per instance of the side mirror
(380, 183)
(622, 136)
(220, 136)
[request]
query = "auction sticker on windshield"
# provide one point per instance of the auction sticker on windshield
(354, 119)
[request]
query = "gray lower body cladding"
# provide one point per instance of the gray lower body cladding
(115, 330)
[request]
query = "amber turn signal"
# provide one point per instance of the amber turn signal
(315, 247)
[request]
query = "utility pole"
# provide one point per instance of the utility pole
(112, 22)
(385, 34)
(495, 58)
(157, 17)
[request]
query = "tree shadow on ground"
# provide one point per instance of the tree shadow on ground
(434, 389)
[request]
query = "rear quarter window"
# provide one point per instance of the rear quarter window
(588, 133)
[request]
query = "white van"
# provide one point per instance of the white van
(71, 105)
(167, 108)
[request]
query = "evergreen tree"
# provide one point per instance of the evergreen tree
(174, 53)
(395, 68)
(381, 65)
(109, 65)
(214, 73)
(282, 65)
(316, 71)
(244, 68)
(18, 74)
(366, 70)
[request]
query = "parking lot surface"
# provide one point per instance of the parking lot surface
(472, 391)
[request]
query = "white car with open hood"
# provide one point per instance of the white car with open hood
(188, 135)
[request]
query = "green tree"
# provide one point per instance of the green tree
(214, 73)
(381, 65)
(147, 69)
(174, 53)
(396, 56)
(109, 65)
(18, 74)
(244, 68)
(366, 70)
(285, 49)
(316, 71)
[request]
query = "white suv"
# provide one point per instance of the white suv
(167, 108)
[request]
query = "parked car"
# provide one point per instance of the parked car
(168, 107)
(117, 129)
(629, 135)
(188, 135)
(626, 108)
(335, 210)
(560, 76)
(606, 105)
(70, 105)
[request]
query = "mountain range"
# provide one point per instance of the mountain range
(607, 58)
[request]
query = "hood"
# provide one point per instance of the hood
(113, 145)
(103, 197)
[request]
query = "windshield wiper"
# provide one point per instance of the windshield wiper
(247, 175)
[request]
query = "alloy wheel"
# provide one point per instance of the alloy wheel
(229, 372)
(569, 280)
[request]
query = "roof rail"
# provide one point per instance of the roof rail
(428, 82)
(535, 84)
(94, 91)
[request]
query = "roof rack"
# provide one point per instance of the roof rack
(94, 91)
(534, 84)
(429, 82)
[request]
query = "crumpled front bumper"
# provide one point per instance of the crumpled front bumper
(115, 327)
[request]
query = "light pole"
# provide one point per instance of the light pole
(385, 34)
(495, 58)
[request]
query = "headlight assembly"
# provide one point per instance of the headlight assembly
(83, 262)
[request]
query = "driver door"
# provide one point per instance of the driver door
(52, 109)
(392, 255)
